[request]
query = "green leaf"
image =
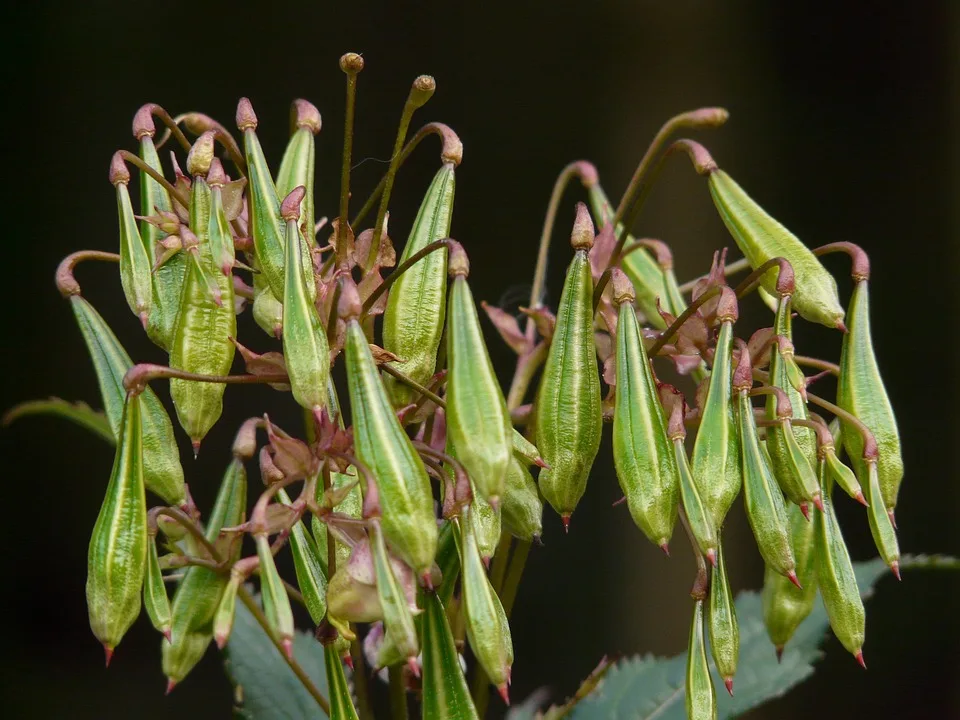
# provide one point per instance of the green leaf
(79, 413)
(647, 687)
(268, 687)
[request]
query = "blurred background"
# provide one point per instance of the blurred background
(845, 125)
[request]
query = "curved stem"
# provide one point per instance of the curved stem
(135, 160)
(869, 441)
(785, 281)
(410, 382)
(731, 269)
(668, 334)
(784, 408)
(813, 362)
(137, 377)
(400, 270)
(66, 283)
(191, 527)
(860, 261)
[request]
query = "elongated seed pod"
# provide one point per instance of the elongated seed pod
(155, 599)
(198, 595)
(701, 700)
(226, 610)
(799, 467)
(201, 341)
(486, 519)
(298, 164)
(716, 454)
(844, 476)
(785, 605)
(448, 559)
(642, 451)
(487, 628)
(762, 496)
(397, 618)
(222, 251)
(761, 238)
(722, 623)
(168, 278)
(135, 263)
(266, 226)
(521, 509)
(267, 309)
(118, 546)
(838, 583)
(478, 422)
(413, 319)
(306, 353)
(525, 449)
(445, 691)
(382, 445)
(639, 265)
(311, 577)
(881, 527)
(568, 416)
(162, 471)
(341, 701)
(861, 392)
(698, 515)
(276, 604)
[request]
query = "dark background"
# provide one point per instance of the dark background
(845, 120)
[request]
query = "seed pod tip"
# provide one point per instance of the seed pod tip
(859, 657)
(107, 654)
(712, 557)
(246, 117)
(290, 207)
(728, 682)
(583, 231)
(779, 650)
(118, 170)
(623, 291)
(143, 122)
(895, 569)
(504, 693)
(728, 309)
(351, 63)
(792, 577)
(307, 115)
(457, 263)
(565, 519)
(665, 547)
(201, 154)
(171, 684)
(216, 177)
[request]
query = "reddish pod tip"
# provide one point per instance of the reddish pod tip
(893, 519)
(712, 557)
(779, 653)
(805, 509)
(278, 331)
(859, 657)
(504, 693)
(108, 654)
(895, 569)
(729, 684)
(863, 501)
(792, 577)
(486, 562)
(841, 327)
(565, 519)
(818, 502)
(196, 448)
(144, 319)
(348, 661)
(287, 647)
(413, 666)
(168, 634)
(221, 641)
(428, 581)
(171, 684)
(621, 501)
(541, 463)
(665, 547)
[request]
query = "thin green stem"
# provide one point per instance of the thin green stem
(137, 377)
(351, 64)
(512, 582)
(410, 382)
(135, 160)
(527, 366)
(331, 540)
(398, 693)
(813, 362)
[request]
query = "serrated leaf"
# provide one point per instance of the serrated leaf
(79, 413)
(270, 690)
(644, 688)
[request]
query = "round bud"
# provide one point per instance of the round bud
(351, 63)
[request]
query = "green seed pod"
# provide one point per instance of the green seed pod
(397, 615)
(162, 471)
(448, 560)
(382, 445)
(521, 509)
(276, 604)
(766, 510)
(568, 416)
(843, 475)
(341, 701)
(135, 263)
(204, 328)
(299, 160)
(716, 453)
(642, 451)
(487, 628)
(198, 595)
(478, 423)
(220, 237)
(118, 547)
(699, 517)
(860, 391)
(761, 238)
(838, 584)
(785, 605)
(305, 350)
(722, 624)
(311, 576)
(445, 691)
(154, 198)
(486, 519)
(525, 449)
(639, 265)
(226, 610)
(266, 226)
(155, 598)
(413, 320)
(803, 478)
(881, 527)
(701, 700)
(267, 310)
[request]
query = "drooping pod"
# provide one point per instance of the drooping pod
(341, 700)
(486, 622)
(118, 546)
(715, 461)
(521, 509)
(785, 605)
(135, 263)
(227, 609)
(722, 623)
(408, 519)
(525, 449)
(219, 235)
(204, 326)
(485, 518)
(445, 691)
(416, 305)
(701, 700)
(162, 471)
(311, 576)
(155, 599)
(276, 604)
(838, 583)
(478, 423)
(197, 598)
(881, 526)
(154, 199)
(762, 238)
(861, 392)
(267, 309)
(298, 164)
(763, 499)
(642, 451)
(266, 226)
(567, 411)
(397, 615)
(305, 349)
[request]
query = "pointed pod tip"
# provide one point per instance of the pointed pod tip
(504, 693)
(818, 502)
(144, 319)
(805, 509)
(895, 569)
(278, 331)
(348, 661)
(486, 561)
(107, 654)
(621, 501)
(427, 580)
(779, 650)
(840, 326)
(728, 682)
(168, 634)
(413, 666)
(494, 502)
(196, 448)
(287, 644)
(893, 518)
(712, 557)
(792, 577)
(221, 640)
(859, 658)
(665, 546)
(862, 500)
(565, 519)
(541, 463)
(171, 684)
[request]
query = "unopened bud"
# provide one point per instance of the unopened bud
(216, 177)
(349, 307)
(306, 115)
(118, 170)
(583, 231)
(623, 291)
(143, 122)
(351, 63)
(458, 263)
(200, 156)
(728, 309)
(246, 117)
(290, 207)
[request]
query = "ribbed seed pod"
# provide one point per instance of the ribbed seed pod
(118, 546)
(155, 599)
(567, 411)
(298, 164)
(267, 310)
(521, 509)
(311, 576)
(445, 692)
(341, 701)
(722, 623)
(785, 605)
(701, 700)
(135, 263)
(642, 451)
(222, 250)
(276, 604)
(226, 610)
(478, 422)
(699, 517)
(397, 615)
(162, 471)
(881, 527)
(413, 319)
